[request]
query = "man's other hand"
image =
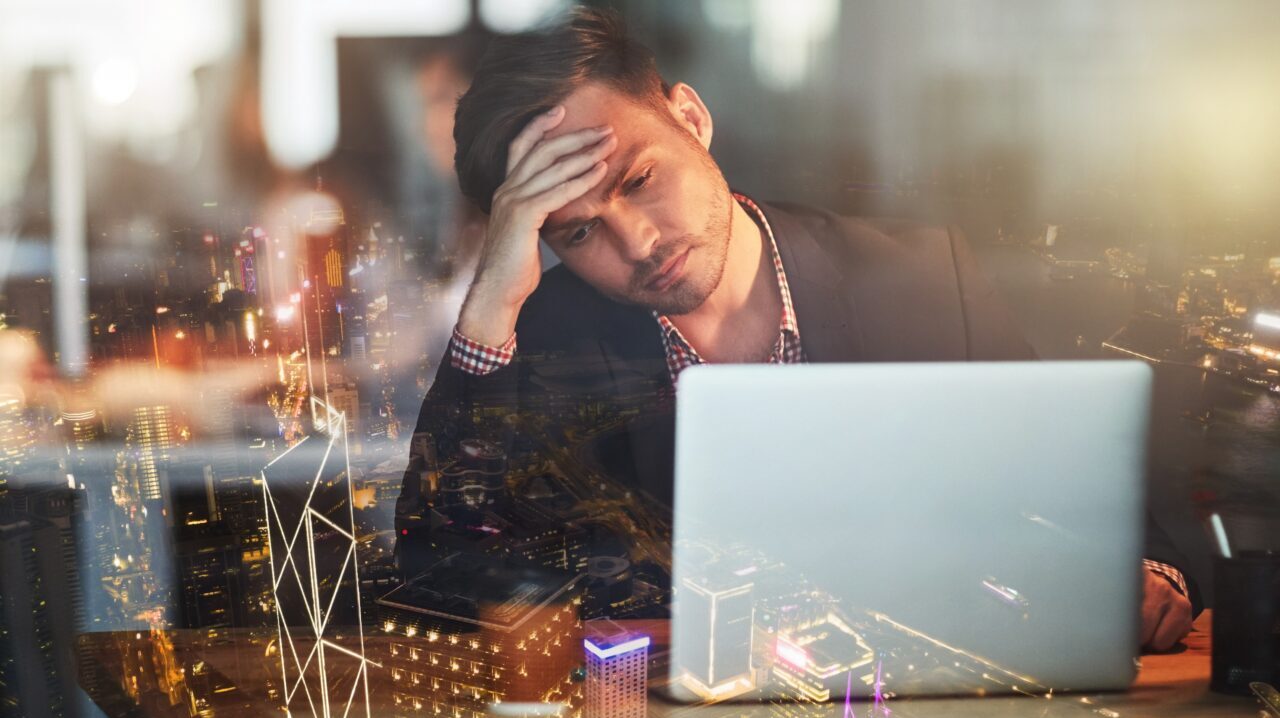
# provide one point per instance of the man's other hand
(1166, 613)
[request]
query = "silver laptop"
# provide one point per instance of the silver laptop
(907, 529)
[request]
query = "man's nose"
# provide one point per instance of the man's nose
(636, 235)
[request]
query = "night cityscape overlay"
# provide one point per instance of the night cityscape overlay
(533, 579)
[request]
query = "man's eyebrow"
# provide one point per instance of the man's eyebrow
(611, 189)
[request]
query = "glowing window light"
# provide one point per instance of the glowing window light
(300, 68)
(727, 15)
(1270, 321)
(114, 81)
(791, 653)
(299, 93)
(621, 648)
(390, 18)
(783, 37)
(517, 15)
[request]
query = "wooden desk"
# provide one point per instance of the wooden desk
(229, 673)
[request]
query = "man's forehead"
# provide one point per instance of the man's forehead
(592, 105)
(620, 162)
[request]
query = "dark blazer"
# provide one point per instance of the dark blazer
(863, 290)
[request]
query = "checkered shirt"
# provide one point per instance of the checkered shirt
(475, 358)
(1167, 572)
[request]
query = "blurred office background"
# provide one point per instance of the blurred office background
(220, 219)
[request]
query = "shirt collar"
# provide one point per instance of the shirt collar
(788, 323)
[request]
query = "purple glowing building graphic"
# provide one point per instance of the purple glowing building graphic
(878, 708)
(617, 672)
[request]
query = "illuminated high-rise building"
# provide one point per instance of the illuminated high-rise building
(248, 275)
(83, 429)
(334, 271)
(617, 672)
(1266, 337)
(610, 581)
(477, 479)
(62, 517)
(357, 333)
(472, 631)
(540, 537)
(315, 574)
(346, 399)
(37, 626)
(819, 655)
(716, 617)
(150, 436)
(16, 436)
(325, 290)
(406, 308)
(210, 576)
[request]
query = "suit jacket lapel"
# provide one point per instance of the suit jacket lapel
(825, 309)
(637, 364)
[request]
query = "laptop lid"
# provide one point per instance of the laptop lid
(907, 528)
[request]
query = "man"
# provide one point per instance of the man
(571, 136)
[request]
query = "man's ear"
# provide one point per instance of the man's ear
(690, 112)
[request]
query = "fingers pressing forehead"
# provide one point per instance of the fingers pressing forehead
(533, 131)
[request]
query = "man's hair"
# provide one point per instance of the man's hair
(523, 75)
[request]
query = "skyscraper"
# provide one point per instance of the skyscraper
(472, 630)
(715, 661)
(210, 576)
(16, 436)
(316, 575)
(150, 436)
(812, 657)
(1266, 337)
(83, 429)
(345, 398)
(476, 479)
(37, 626)
(617, 671)
(325, 290)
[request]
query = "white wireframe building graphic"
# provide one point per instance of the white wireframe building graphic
(315, 576)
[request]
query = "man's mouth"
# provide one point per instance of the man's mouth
(669, 273)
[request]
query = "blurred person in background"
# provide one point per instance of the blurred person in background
(392, 171)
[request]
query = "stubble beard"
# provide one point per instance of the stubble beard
(691, 290)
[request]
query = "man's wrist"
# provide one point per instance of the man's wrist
(487, 317)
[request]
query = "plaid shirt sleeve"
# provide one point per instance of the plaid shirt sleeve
(479, 359)
(1169, 573)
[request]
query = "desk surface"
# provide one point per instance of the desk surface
(172, 673)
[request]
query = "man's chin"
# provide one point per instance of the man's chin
(675, 301)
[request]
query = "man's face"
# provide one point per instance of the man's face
(655, 231)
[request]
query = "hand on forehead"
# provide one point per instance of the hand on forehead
(590, 106)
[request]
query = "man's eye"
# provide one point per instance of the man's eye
(580, 233)
(640, 181)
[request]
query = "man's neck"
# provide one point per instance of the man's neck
(739, 320)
